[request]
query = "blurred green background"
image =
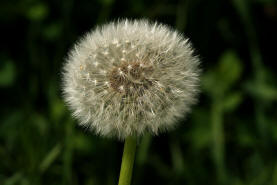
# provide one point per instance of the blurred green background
(230, 137)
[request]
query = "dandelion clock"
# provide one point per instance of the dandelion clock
(127, 78)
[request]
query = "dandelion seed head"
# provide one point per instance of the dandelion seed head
(131, 77)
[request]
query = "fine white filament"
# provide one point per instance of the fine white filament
(130, 77)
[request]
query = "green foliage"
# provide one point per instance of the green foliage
(7, 73)
(224, 75)
(37, 12)
(229, 138)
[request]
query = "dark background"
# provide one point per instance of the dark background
(229, 138)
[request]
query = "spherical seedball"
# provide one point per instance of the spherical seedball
(130, 77)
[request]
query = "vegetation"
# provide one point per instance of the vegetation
(230, 137)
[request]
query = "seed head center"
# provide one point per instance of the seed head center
(130, 78)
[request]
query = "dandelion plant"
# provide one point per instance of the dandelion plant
(126, 78)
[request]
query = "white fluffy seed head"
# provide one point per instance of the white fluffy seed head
(150, 80)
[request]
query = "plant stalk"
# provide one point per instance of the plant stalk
(127, 161)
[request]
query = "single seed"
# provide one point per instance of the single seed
(87, 77)
(115, 42)
(106, 53)
(121, 87)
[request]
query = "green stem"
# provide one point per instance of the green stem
(127, 161)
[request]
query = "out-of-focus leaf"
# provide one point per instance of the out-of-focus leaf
(52, 31)
(90, 181)
(177, 157)
(7, 73)
(274, 174)
(83, 143)
(262, 90)
(57, 109)
(245, 138)
(222, 77)
(231, 101)
(208, 82)
(274, 130)
(242, 7)
(57, 106)
(143, 149)
(14, 179)
(37, 12)
(200, 137)
(40, 123)
(50, 158)
(237, 181)
(9, 128)
(218, 138)
(230, 68)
